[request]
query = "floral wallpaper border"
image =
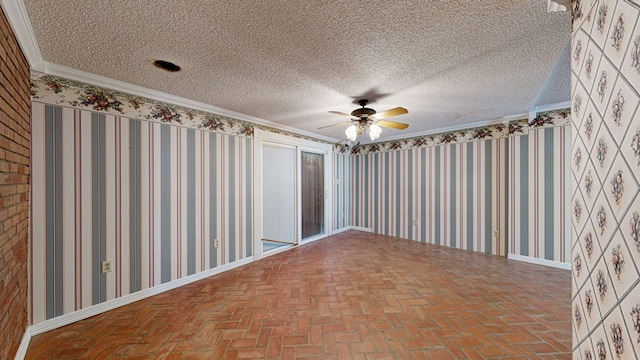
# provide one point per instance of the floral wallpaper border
(513, 128)
(63, 92)
(53, 90)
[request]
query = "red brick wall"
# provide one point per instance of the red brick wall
(15, 137)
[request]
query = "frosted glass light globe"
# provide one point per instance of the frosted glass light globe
(351, 132)
(374, 131)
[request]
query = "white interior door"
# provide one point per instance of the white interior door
(279, 193)
(279, 187)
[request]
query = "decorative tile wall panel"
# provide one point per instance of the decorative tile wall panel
(606, 288)
(622, 106)
(602, 153)
(590, 126)
(630, 310)
(623, 20)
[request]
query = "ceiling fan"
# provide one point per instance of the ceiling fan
(367, 120)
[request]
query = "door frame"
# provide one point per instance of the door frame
(260, 137)
(326, 188)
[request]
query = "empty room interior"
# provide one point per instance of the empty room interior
(320, 179)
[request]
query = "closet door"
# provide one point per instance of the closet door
(279, 194)
(312, 194)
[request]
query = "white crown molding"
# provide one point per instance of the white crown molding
(17, 15)
(502, 120)
(121, 86)
(551, 107)
(36, 73)
(19, 19)
(514, 117)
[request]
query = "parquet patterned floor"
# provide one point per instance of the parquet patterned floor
(350, 296)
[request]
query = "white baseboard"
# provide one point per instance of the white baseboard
(278, 250)
(24, 345)
(316, 238)
(545, 262)
(347, 228)
(97, 309)
(360, 228)
(341, 230)
(85, 313)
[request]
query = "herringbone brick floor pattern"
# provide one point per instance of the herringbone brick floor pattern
(350, 296)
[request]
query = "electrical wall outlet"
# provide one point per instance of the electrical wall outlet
(415, 222)
(216, 243)
(496, 234)
(106, 266)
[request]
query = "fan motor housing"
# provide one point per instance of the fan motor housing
(363, 112)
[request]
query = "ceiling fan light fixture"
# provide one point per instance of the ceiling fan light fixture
(352, 132)
(374, 131)
(365, 120)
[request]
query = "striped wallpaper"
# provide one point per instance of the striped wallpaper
(150, 197)
(153, 197)
(341, 190)
(452, 195)
(539, 194)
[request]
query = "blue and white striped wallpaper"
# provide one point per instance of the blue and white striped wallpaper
(150, 197)
(153, 197)
(452, 195)
(341, 190)
(539, 194)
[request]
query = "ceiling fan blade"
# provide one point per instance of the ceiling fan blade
(390, 113)
(343, 114)
(393, 124)
(348, 122)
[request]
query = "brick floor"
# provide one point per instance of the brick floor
(350, 296)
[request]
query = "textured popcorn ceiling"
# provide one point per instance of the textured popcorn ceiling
(558, 84)
(450, 63)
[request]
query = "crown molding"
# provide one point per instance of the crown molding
(18, 18)
(533, 113)
(127, 88)
(502, 120)
(551, 107)
(509, 118)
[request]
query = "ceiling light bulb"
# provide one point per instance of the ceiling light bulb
(351, 132)
(374, 131)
